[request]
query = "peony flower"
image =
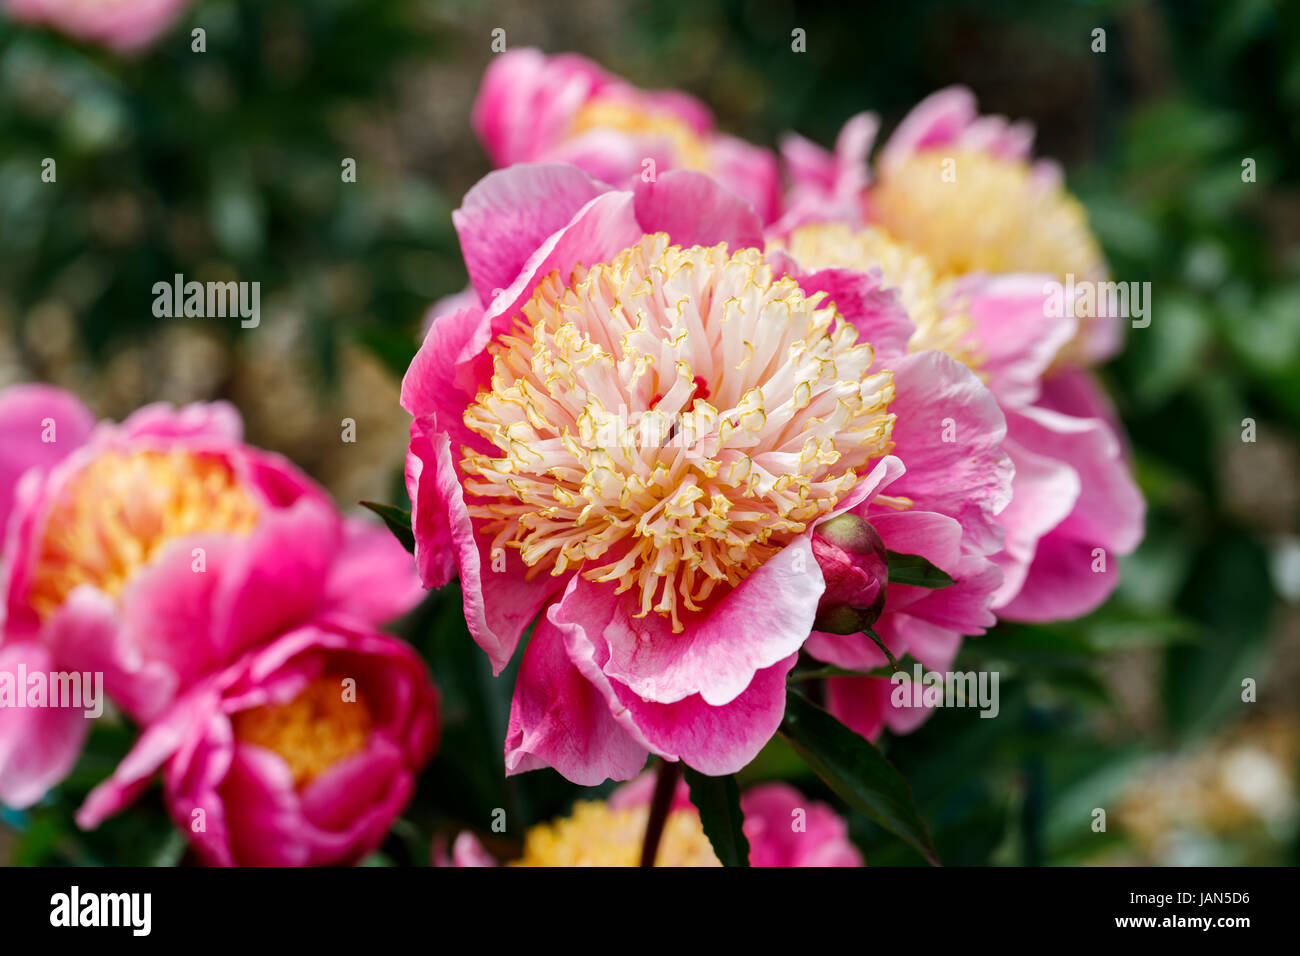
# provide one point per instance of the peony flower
(301, 753)
(156, 550)
(125, 26)
(631, 440)
(974, 263)
(1073, 490)
(962, 190)
(782, 826)
(566, 109)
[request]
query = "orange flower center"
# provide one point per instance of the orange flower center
(679, 413)
(312, 732)
(117, 512)
(596, 835)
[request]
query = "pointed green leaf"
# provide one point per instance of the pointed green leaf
(851, 766)
(718, 800)
(915, 570)
(398, 521)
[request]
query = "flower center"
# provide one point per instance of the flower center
(595, 835)
(113, 517)
(611, 113)
(995, 216)
(941, 319)
(312, 732)
(610, 447)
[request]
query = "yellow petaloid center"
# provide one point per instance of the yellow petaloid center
(941, 319)
(968, 211)
(312, 732)
(115, 514)
(677, 412)
(595, 835)
(690, 149)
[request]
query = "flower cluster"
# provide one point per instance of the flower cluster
(225, 606)
(674, 434)
(706, 416)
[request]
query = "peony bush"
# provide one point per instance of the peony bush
(710, 451)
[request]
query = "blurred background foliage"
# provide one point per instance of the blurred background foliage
(226, 165)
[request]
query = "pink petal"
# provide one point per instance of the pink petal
(937, 120)
(558, 719)
(969, 477)
(372, 579)
(759, 623)
(508, 214)
(499, 604)
(1017, 339)
(38, 745)
(23, 410)
(695, 211)
(868, 305)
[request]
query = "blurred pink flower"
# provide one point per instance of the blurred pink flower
(566, 109)
(975, 260)
(301, 753)
(630, 438)
(783, 828)
(984, 295)
(122, 25)
(963, 190)
(156, 550)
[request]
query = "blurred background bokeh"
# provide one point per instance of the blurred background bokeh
(226, 165)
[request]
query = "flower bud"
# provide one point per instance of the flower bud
(852, 558)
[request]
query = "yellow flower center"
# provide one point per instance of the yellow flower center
(595, 835)
(691, 150)
(117, 512)
(968, 212)
(677, 411)
(312, 732)
(941, 319)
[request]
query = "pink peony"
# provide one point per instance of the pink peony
(631, 439)
(975, 262)
(122, 25)
(961, 189)
(154, 551)
(566, 109)
(783, 828)
(301, 753)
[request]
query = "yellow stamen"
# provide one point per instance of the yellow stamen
(941, 318)
(994, 216)
(691, 150)
(609, 451)
(113, 517)
(312, 732)
(596, 835)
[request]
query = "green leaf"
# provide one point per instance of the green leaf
(851, 766)
(821, 673)
(718, 800)
(915, 570)
(398, 521)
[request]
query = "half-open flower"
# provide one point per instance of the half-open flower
(158, 549)
(301, 753)
(566, 109)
